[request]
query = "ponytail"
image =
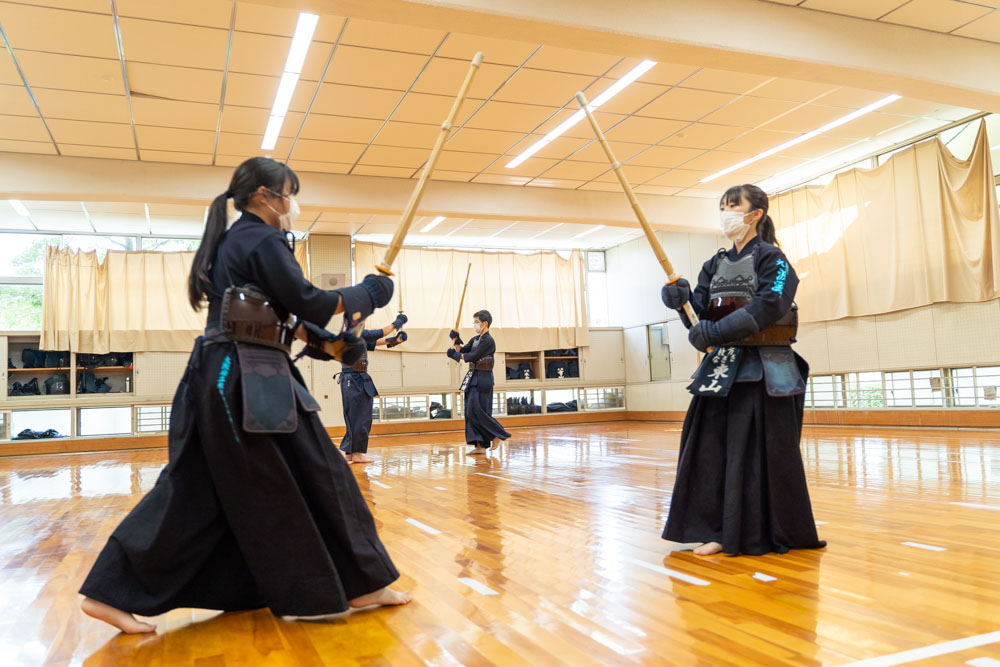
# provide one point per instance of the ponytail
(215, 227)
(247, 178)
(765, 230)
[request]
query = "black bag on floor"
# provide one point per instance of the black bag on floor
(28, 434)
(57, 384)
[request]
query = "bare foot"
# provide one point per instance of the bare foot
(384, 597)
(495, 443)
(122, 620)
(361, 458)
(476, 451)
(708, 549)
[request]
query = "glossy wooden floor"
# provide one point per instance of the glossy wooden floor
(550, 554)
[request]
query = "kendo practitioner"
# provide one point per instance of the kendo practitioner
(741, 485)
(482, 431)
(358, 392)
(255, 507)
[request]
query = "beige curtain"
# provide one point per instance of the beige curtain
(536, 300)
(923, 228)
(302, 255)
(133, 302)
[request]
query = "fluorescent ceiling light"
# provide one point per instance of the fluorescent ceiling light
(433, 223)
(612, 90)
(805, 137)
(289, 78)
(589, 231)
(19, 207)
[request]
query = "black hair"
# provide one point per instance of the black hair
(247, 178)
(757, 199)
(484, 316)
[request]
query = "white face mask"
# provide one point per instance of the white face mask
(478, 327)
(733, 226)
(286, 220)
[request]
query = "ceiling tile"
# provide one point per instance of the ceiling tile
(175, 156)
(391, 172)
(18, 146)
(581, 130)
(578, 62)
(576, 171)
(409, 135)
(59, 31)
(530, 86)
(444, 76)
(325, 151)
(499, 51)
(188, 212)
(223, 160)
(987, 27)
(260, 54)
(805, 119)
(634, 173)
(234, 145)
(254, 121)
(685, 104)
(52, 70)
(175, 83)
(463, 162)
(593, 152)
(793, 90)
(938, 15)
(374, 68)
(82, 106)
(816, 146)
(168, 113)
(750, 112)
(92, 133)
(533, 166)
(630, 100)
(558, 148)
(850, 98)
(644, 130)
(702, 135)
(15, 101)
(665, 74)
(656, 190)
(174, 139)
(268, 20)
(501, 179)
(601, 186)
(911, 107)
(157, 42)
(509, 116)
(343, 128)
(24, 128)
(62, 221)
(865, 9)
(665, 156)
(92, 6)
(775, 164)
(483, 141)
(210, 13)
(716, 160)
(391, 36)
(426, 109)
(758, 141)
(700, 193)
(457, 176)
(724, 81)
(337, 100)
(8, 72)
(679, 178)
(257, 91)
(390, 156)
(98, 151)
(868, 125)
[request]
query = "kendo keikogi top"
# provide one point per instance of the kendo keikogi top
(348, 372)
(761, 273)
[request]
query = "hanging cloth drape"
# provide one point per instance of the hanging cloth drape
(536, 300)
(922, 228)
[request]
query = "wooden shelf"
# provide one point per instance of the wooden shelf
(510, 358)
(553, 358)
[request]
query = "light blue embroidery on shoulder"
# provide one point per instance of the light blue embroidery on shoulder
(779, 281)
(227, 364)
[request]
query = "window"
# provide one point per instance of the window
(152, 418)
(659, 351)
(928, 389)
(99, 244)
(169, 245)
(21, 267)
(41, 420)
(441, 406)
(22, 307)
(987, 383)
(105, 421)
(397, 408)
(827, 391)
(597, 299)
(595, 261)
(899, 390)
(864, 390)
(560, 400)
(603, 398)
(524, 402)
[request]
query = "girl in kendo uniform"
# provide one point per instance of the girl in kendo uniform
(741, 486)
(255, 507)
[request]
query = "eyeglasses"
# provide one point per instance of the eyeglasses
(278, 194)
